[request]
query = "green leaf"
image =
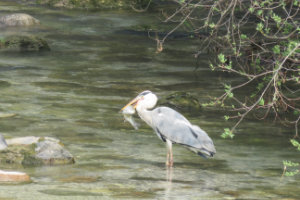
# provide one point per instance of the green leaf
(222, 58)
(251, 9)
(292, 173)
(227, 133)
(288, 27)
(296, 112)
(288, 163)
(228, 90)
(279, 83)
(260, 86)
(259, 27)
(257, 61)
(228, 66)
(262, 3)
(243, 36)
(227, 86)
(216, 9)
(226, 117)
(253, 94)
(276, 18)
(212, 103)
(261, 102)
(259, 12)
(295, 143)
(230, 94)
(276, 49)
(212, 25)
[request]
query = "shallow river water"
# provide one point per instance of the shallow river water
(75, 91)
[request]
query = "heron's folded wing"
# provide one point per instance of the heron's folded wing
(173, 126)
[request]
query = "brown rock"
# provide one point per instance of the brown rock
(13, 176)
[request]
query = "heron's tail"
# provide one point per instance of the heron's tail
(205, 153)
(204, 145)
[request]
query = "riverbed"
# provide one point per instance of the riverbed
(75, 92)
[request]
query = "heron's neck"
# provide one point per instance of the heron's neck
(145, 114)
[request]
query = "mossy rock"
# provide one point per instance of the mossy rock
(24, 43)
(4, 84)
(87, 4)
(20, 155)
(144, 28)
(181, 101)
(35, 151)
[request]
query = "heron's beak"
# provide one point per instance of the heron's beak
(133, 102)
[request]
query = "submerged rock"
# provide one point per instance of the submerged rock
(24, 43)
(88, 4)
(32, 151)
(18, 19)
(7, 115)
(181, 101)
(12, 176)
(79, 179)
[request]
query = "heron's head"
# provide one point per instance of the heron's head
(145, 99)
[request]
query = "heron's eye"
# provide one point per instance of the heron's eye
(145, 93)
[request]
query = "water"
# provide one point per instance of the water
(75, 92)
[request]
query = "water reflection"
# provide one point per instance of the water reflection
(168, 185)
(169, 174)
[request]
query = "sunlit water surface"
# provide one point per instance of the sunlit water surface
(75, 92)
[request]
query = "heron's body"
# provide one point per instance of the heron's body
(172, 127)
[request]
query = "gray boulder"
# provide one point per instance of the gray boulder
(18, 19)
(33, 151)
(51, 152)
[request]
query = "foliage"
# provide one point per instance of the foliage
(256, 40)
(289, 164)
(295, 144)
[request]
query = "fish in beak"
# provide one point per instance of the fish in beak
(129, 110)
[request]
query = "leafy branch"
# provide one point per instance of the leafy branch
(289, 164)
(256, 40)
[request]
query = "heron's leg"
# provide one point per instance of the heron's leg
(168, 158)
(169, 154)
(171, 158)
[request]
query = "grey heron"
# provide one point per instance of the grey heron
(172, 127)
